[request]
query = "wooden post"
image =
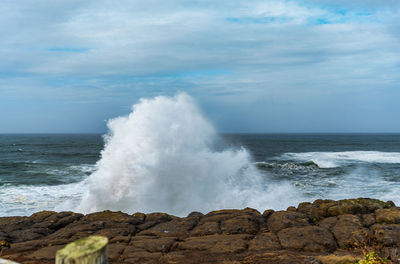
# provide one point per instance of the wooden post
(89, 250)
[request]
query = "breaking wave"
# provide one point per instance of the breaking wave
(161, 158)
(336, 159)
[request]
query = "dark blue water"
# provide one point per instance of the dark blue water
(47, 159)
(40, 172)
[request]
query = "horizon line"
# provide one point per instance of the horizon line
(221, 133)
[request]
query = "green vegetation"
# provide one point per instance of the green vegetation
(373, 258)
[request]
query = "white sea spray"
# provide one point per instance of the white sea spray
(160, 158)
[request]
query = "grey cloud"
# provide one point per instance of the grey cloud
(140, 47)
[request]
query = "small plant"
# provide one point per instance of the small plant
(372, 258)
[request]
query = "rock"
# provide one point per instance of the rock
(216, 243)
(139, 218)
(338, 259)
(28, 234)
(283, 219)
(388, 216)
(391, 253)
(82, 228)
(115, 251)
(246, 221)
(27, 246)
(4, 244)
(368, 219)
(224, 236)
(357, 206)
(239, 225)
(155, 219)
(174, 257)
(308, 238)
(46, 253)
(110, 217)
(106, 223)
(280, 258)
(347, 230)
(110, 233)
(267, 213)
(206, 228)
(387, 234)
(151, 244)
(324, 208)
(264, 242)
(178, 227)
(328, 223)
(53, 220)
(142, 257)
(121, 239)
(314, 211)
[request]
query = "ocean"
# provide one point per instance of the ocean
(53, 172)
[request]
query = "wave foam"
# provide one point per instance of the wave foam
(160, 158)
(27, 199)
(336, 159)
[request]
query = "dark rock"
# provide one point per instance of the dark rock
(120, 239)
(155, 219)
(264, 242)
(46, 253)
(139, 218)
(388, 216)
(178, 227)
(246, 221)
(152, 244)
(28, 245)
(324, 208)
(347, 230)
(110, 217)
(368, 219)
(308, 238)
(280, 258)
(283, 219)
(216, 243)
(307, 234)
(115, 251)
(267, 213)
(328, 223)
(143, 257)
(387, 234)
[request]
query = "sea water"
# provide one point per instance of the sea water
(166, 156)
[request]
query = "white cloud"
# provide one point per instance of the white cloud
(273, 48)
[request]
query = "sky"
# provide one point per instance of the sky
(267, 66)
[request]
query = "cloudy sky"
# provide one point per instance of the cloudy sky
(252, 66)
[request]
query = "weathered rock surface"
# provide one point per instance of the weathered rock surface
(317, 232)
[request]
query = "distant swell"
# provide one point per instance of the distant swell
(161, 158)
(336, 159)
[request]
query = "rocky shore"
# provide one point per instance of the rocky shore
(324, 231)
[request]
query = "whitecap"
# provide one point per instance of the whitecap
(336, 159)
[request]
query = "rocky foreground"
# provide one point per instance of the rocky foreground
(324, 231)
